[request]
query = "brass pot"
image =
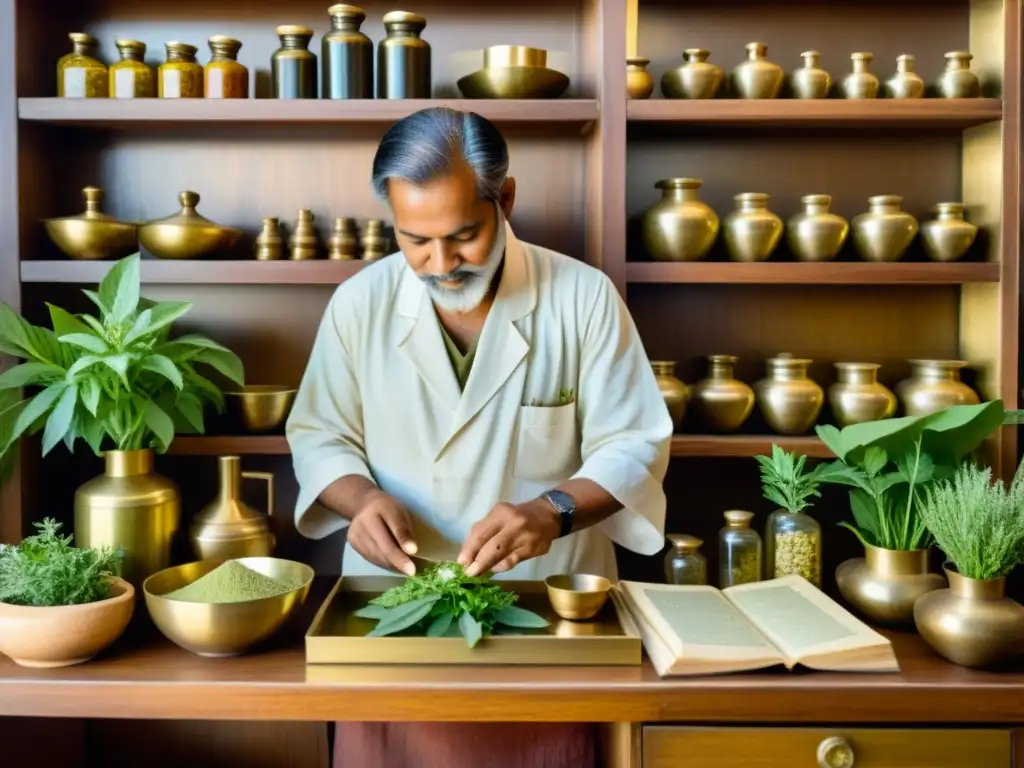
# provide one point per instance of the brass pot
(694, 79)
(884, 584)
(885, 232)
(757, 78)
(906, 83)
(639, 83)
(857, 396)
(260, 407)
(129, 506)
(186, 234)
(343, 244)
(816, 234)
(679, 227)
(227, 528)
(92, 235)
(675, 392)
(512, 72)
(973, 623)
(752, 232)
(934, 385)
(810, 81)
(269, 245)
(374, 242)
(722, 402)
(789, 400)
(302, 245)
(957, 81)
(947, 237)
(860, 83)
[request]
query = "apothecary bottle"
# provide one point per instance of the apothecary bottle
(131, 77)
(739, 550)
(403, 58)
(793, 546)
(80, 74)
(347, 56)
(226, 78)
(684, 564)
(181, 76)
(293, 71)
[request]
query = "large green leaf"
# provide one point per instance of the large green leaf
(60, 420)
(953, 434)
(224, 362)
(514, 616)
(119, 291)
(141, 326)
(404, 616)
(15, 338)
(89, 391)
(36, 408)
(65, 324)
(471, 629)
(163, 366)
(191, 408)
(11, 406)
(87, 341)
(30, 374)
(119, 365)
(81, 364)
(160, 424)
(864, 514)
(440, 625)
(166, 312)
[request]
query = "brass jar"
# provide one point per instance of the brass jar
(129, 506)
(293, 69)
(722, 402)
(934, 385)
(906, 83)
(816, 234)
(885, 583)
(639, 83)
(225, 77)
(403, 58)
(788, 399)
(80, 74)
(93, 235)
(269, 244)
(227, 528)
(343, 244)
(860, 83)
(696, 78)
(346, 56)
(374, 242)
(757, 78)
(131, 77)
(181, 76)
(302, 245)
(187, 234)
(957, 81)
(674, 391)
(885, 232)
(857, 395)
(948, 237)
(810, 81)
(752, 232)
(679, 227)
(972, 623)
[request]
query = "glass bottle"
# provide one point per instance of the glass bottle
(403, 59)
(80, 74)
(793, 546)
(684, 564)
(739, 550)
(347, 56)
(181, 76)
(131, 77)
(293, 65)
(225, 77)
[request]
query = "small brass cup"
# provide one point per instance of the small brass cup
(261, 407)
(577, 596)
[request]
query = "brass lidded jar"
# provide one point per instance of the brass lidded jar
(293, 72)
(302, 244)
(948, 237)
(695, 78)
(886, 231)
(788, 398)
(722, 402)
(186, 234)
(674, 391)
(957, 81)
(181, 76)
(757, 78)
(885, 583)
(346, 55)
(227, 527)
(752, 232)
(857, 395)
(934, 385)
(131, 77)
(860, 83)
(739, 550)
(816, 234)
(92, 234)
(906, 83)
(225, 77)
(343, 244)
(80, 74)
(810, 81)
(269, 245)
(684, 564)
(374, 242)
(679, 227)
(403, 58)
(639, 83)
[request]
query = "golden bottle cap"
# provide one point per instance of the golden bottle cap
(294, 30)
(738, 518)
(684, 542)
(404, 17)
(183, 48)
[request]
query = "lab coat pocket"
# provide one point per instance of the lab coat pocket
(547, 444)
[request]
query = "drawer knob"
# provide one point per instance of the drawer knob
(835, 752)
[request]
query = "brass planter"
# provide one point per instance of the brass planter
(860, 83)
(789, 400)
(679, 227)
(947, 237)
(934, 385)
(810, 81)
(885, 232)
(757, 78)
(816, 234)
(885, 583)
(906, 83)
(675, 392)
(958, 82)
(639, 83)
(752, 232)
(696, 78)
(722, 402)
(857, 396)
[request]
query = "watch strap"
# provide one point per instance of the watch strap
(565, 507)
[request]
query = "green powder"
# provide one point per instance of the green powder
(230, 582)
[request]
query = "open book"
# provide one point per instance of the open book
(788, 621)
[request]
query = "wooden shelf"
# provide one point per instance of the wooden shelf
(839, 113)
(228, 445)
(827, 273)
(243, 272)
(745, 446)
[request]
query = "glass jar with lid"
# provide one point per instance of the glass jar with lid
(181, 76)
(684, 564)
(80, 74)
(739, 550)
(225, 77)
(131, 77)
(793, 546)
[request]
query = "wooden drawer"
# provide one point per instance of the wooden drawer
(680, 747)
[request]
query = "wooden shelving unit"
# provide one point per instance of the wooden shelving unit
(319, 272)
(830, 273)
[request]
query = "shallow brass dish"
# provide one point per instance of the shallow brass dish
(92, 235)
(223, 629)
(514, 72)
(261, 407)
(186, 234)
(577, 596)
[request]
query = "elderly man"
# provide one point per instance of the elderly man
(475, 397)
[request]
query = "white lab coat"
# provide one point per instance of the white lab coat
(380, 399)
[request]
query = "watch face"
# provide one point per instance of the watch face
(562, 501)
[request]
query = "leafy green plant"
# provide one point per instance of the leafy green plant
(45, 570)
(786, 481)
(118, 378)
(444, 602)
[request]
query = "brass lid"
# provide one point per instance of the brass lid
(959, 55)
(130, 45)
(222, 45)
(786, 360)
(857, 366)
(738, 518)
(679, 183)
(374, 224)
(950, 207)
(811, 55)
(293, 30)
(720, 359)
(181, 48)
(664, 367)
(516, 56)
(862, 56)
(947, 365)
(404, 17)
(83, 38)
(760, 48)
(696, 53)
(907, 57)
(816, 199)
(684, 542)
(885, 200)
(637, 61)
(342, 9)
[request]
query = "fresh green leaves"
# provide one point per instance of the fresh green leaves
(785, 480)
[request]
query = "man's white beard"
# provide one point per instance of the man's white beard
(474, 282)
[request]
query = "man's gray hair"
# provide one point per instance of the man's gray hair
(424, 145)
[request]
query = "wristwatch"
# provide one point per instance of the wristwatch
(565, 507)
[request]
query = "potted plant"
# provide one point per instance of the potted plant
(60, 605)
(889, 465)
(121, 382)
(979, 525)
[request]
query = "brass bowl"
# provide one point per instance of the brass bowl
(261, 407)
(577, 596)
(92, 235)
(496, 56)
(514, 83)
(186, 234)
(223, 629)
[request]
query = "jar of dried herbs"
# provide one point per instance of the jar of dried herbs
(80, 74)
(181, 76)
(793, 546)
(226, 78)
(684, 564)
(739, 550)
(131, 77)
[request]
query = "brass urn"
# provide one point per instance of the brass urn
(269, 245)
(721, 401)
(696, 78)
(885, 232)
(639, 83)
(675, 392)
(343, 244)
(885, 583)
(227, 527)
(752, 232)
(857, 396)
(860, 83)
(789, 400)
(947, 237)
(906, 83)
(187, 234)
(816, 234)
(934, 385)
(810, 81)
(957, 81)
(302, 245)
(679, 227)
(92, 234)
(757, 78)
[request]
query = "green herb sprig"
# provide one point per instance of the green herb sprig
(786, 481)
(565, 397)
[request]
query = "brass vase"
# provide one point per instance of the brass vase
(810, 81)
(227, 527)
(302, 244)
(860, 83)
(679, 227)
(816, 234)
(721, 401)
(696, 78)
(129, 506)
(675, 392)
(757, 78)
(789, 400)
(343, 244)
(947, 237)
(752, 232)
(957, 81)
(857, 396)
(906, 83)
(972, 623)
(934, 385)
(639, 83)
(885, 232)
(884, 584)
(374, 242)
(269, 244)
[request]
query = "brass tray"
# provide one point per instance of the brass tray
(338, 637)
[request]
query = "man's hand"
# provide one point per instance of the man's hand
(382, 533)
(508, 535)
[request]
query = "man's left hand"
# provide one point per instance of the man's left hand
(508, 535)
